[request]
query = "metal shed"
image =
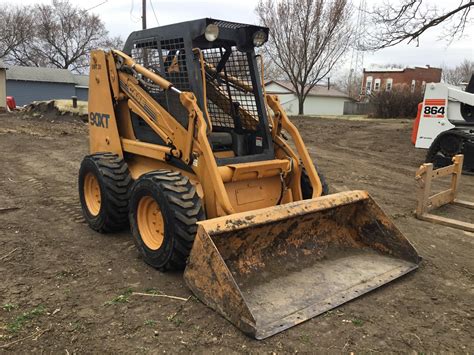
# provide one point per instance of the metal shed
(27, 84)
(82, 86)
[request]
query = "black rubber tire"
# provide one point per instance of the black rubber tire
(115, 184)
(181, 209)
(439, 156)
(307, 189)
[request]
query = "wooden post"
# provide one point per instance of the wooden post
(424, 176)
(458, 161)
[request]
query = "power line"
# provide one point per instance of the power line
(93, 7)
(154, 14)
(133, 18)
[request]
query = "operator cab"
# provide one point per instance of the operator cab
(467, 111)
(216, 61)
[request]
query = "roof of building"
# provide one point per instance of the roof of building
(3, 65)
(81, 80)
(377, 69)
(50, 75)
(318, 90)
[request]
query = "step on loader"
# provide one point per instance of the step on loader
(188, 150)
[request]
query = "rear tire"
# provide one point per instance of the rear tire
(164, 211)
(104, 190)
(307, 189)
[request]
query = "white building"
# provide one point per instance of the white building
(3, 90)
(320, 100)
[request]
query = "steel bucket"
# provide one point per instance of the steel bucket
(270, 269)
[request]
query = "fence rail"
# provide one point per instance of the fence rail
(358, 108)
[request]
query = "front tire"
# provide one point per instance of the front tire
(104, 190)
(164, 211)
(443, 149)
(307, 189)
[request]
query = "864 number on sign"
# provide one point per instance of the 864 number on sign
(434, 110)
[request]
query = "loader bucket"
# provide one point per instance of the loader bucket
(270, 269)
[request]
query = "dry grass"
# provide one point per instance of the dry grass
(66, 106)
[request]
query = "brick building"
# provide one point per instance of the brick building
(386, 78)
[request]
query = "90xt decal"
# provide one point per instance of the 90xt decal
(99, 119)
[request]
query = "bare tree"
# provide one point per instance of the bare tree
(349, 84)
(459, 74)
(62, 37)
(307, 39)
(16, 27)
(271, 71)
(406, 20)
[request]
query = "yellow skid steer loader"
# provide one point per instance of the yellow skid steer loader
(188, 151)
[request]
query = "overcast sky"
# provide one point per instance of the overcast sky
(123, 16)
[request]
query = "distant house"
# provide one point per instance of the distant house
(27, 84)
(320, 100)
(3, 92)
(377, 79)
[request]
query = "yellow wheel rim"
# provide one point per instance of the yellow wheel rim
(150, 223)
(92, 194)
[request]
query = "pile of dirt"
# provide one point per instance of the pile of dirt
(53, 109)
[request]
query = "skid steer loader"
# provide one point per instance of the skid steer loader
(188, 150)
(445, 124)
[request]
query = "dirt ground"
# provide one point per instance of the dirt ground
(67, 289)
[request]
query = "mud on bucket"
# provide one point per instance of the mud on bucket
(270, 269)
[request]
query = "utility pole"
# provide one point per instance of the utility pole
(357, 58)
(144, 14)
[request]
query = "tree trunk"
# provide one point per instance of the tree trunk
(300, 106)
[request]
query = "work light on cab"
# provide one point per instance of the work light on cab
(259, 38)
(212, 32)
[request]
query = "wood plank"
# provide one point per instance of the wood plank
(458, 162)
(440, 199)
(448, 222)
(424, 176)
(463, 203)
(444, 171)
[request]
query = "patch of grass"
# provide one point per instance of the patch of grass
(177, 321)
(122, 298)
(20, 320)
(78, 326)
(333, 312)
(305, 338)
(357, 322)
(150, 323)
(8, 307)
(153, 291)
(65, 274)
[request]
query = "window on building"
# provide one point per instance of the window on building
(368, 85)
(377, 85)
(389, 84)
(413, 85)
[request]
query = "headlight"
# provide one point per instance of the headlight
(259, 38)
(212, 32)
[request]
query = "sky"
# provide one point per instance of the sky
(124, 16)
